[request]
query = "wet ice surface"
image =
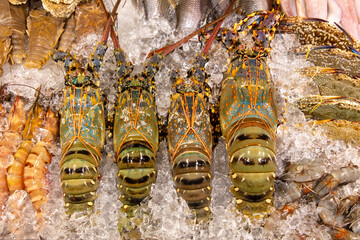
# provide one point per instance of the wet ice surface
(167, 216)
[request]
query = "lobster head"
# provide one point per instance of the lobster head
(77, 75)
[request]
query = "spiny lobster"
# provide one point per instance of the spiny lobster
(248, 114)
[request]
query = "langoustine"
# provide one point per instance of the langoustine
(5, 33)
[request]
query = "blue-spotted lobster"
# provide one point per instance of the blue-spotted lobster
(82, 128)
(248, 115)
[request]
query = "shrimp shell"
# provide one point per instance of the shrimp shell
(35, 170)
(8, 145)
(15, 176)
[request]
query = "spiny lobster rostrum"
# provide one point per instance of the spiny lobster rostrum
(248, 115)
(82, 128)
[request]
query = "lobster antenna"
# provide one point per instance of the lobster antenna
(27, 128)
(348, 35)
(110, 21)
(216, 29)
(112, 32)
(20, 84)
(168, 49)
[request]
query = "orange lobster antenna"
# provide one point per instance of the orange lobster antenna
(110, 21)
(216, 29)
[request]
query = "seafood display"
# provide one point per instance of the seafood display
(290, 129)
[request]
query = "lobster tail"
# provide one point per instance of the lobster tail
(252, 169)
(136, 172)
(192, 178)
(79, 177)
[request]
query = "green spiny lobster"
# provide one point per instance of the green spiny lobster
(82, 128)
(190, 137)
(189, 130)
(248, 114)
(136, 132)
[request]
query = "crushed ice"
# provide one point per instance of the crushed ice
(167, 216)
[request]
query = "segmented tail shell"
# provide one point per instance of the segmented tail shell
(190, 147)
(68, 35)
(190, 139)
(35, 170)
(18, 28)
(5, 33)
(15, 177)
